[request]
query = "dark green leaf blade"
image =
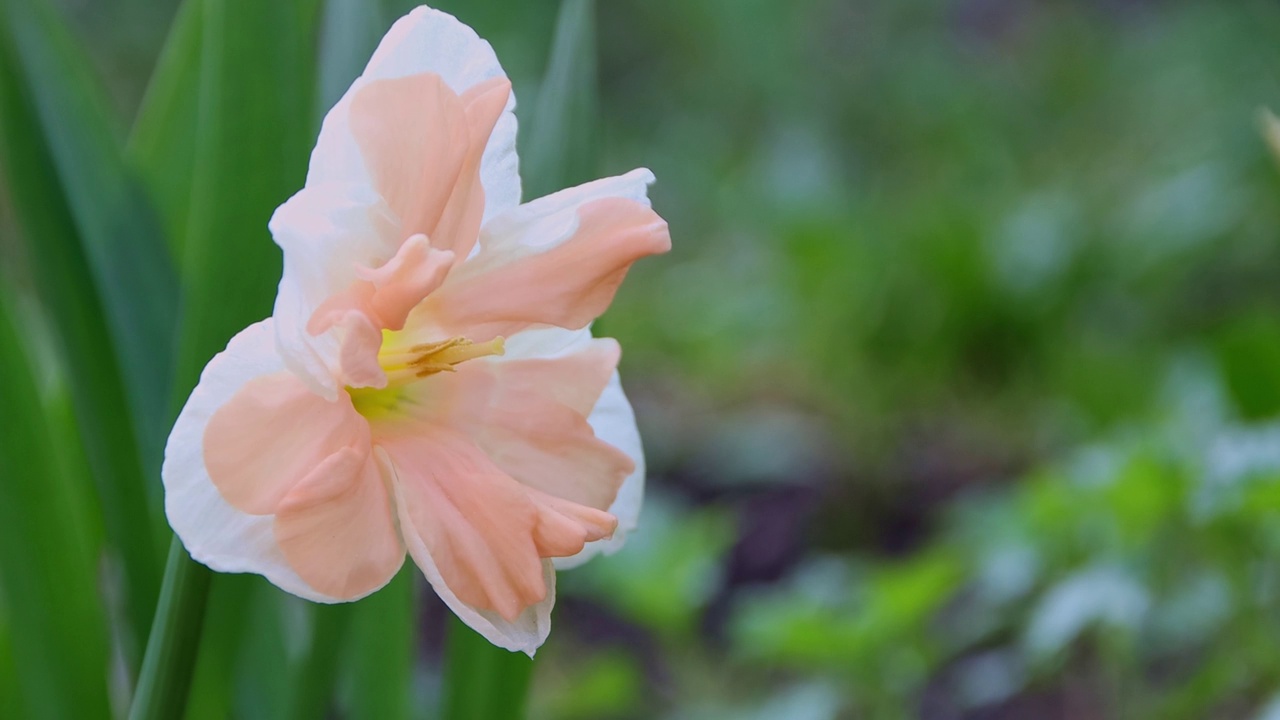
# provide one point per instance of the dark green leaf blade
(118, 229)
(162, 142)
(383, 632)
(47, 554)
(482, 680)
(253, 138)
(67, 287)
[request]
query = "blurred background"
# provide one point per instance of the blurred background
(960, 388)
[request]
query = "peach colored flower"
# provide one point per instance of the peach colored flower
(427, 382)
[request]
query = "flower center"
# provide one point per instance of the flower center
(419, 361)
(405, 366)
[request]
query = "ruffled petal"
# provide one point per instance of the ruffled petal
(337, 529)
(564, 527)
(422, 145)
(427, 41)
(536, 427)
(614, 422)
(530, 417)
(213, 531)
(271, 434)
(474, 520)
(328, 233)
(386, 294)
(556, 261)
(525, 633)
(481, 538)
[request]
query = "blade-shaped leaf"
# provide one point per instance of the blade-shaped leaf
(118, 229)
(382, 651)
(223, 637)
(253, 136)
(162, 143)
(68, 289)
(560, 148)
(10, 700)
(311, 692)
(47, 552)
(482, 680)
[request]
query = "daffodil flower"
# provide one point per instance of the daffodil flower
(427, 383)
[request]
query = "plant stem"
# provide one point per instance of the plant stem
(174, 642)
(481, 680)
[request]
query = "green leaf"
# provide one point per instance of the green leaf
(162, 144)
(482, 680)
(170, 660)
(68, 288)
(10, 701)
(263, 674)
(313, 683)
(118, 230)
(223, 635)
(47, 553)
(560, 150)
(253, 137)
(382, 651)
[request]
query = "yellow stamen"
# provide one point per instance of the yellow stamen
(404, 367)
(407, 365)
(443, 356)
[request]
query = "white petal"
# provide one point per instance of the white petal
(615, 423)
(544, 341)
(326, 232)
(554, 218)
(215, 533)
(529, 630)
(426, 40)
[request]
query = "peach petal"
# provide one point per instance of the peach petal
(530, 417)
(614, 422)
(567, 285)
(336, 527)
(476, 523)
(575, 379)
(412, 132)
(565, 527)
(556, 452)
(359, 355)
(416, 270)
(459, 226)
(536, 428)
(357, 297)
(214, 532)
(426, 40)
(270, 435)
(423, 146)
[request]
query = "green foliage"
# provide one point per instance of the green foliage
(76, 239)
(381, 653)
(992, 284)
(118, 231)
(56, 628)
